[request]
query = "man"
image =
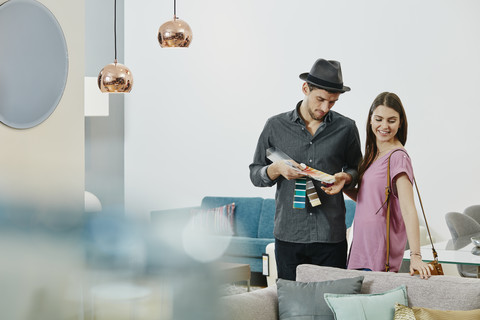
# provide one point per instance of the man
(322, 139)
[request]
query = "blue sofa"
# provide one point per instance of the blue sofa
(253, 226)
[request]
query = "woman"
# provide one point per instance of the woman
(386, 132)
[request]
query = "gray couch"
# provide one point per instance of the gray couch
(439, 292)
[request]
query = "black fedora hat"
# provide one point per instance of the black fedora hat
(326, 74)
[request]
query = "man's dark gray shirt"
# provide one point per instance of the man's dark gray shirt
(335, 147)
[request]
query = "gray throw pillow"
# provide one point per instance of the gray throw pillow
(304, 300)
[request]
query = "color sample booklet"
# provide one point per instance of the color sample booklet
(274, 154)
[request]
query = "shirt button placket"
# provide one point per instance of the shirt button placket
(313, 228)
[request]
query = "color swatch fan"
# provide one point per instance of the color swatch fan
(274, 154)
(318, 175)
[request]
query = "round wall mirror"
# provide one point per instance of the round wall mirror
(33, 63)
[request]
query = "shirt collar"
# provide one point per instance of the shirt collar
(295, 114)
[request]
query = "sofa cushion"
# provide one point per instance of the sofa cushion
(267, 216)
(256, 265)
(304, 300)
(247, 212)
(403, 312)
(247, 247)
(256, 305)
(435, 293)
(376, 306)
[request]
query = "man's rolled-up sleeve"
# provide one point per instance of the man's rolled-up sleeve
(259, 166)
(354, 156)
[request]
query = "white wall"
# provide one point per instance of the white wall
(104, 144)
(43, 167)
(194, 115)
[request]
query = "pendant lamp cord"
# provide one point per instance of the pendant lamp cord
(115, 27)
(175, 9)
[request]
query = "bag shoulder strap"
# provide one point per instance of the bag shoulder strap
(435, 255)
(388, 191)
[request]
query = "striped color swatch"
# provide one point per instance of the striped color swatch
(312, 194)
(300, 193)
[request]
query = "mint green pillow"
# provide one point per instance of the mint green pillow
(377, 306)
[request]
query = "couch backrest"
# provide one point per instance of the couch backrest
(350, 207)
(438, 292)
(246, 214)
(265, 225)
(254, 216)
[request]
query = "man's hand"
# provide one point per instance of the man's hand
(282, 168)
(341, 179)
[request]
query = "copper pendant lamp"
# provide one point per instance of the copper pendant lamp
(175, 33)
(115, 77)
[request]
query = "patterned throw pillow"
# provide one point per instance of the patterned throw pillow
(218, 221)
(416, 313)
(403, 313)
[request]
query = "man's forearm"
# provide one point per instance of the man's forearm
(273, 172)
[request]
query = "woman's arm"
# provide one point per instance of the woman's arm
(410, 218)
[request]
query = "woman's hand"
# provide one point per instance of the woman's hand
(423, 268)
(341, 179)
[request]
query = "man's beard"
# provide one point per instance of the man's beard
(314, 117)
